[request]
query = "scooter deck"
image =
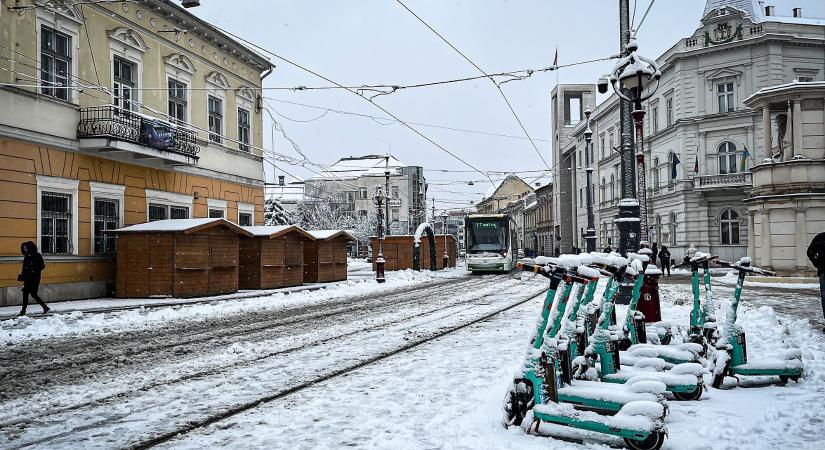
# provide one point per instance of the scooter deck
(636, 420)
(674, 382)
(777, 367)
(670, 353)
(596, 396)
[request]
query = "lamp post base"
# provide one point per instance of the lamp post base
(628, 224)
(445, 261)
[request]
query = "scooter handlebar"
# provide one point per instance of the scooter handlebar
(542, 270)
(745, 267)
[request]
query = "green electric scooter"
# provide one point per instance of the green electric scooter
(732, 357)
(640, 423)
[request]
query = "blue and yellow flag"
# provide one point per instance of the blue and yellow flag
(745, 155)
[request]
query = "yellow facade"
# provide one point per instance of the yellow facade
(40, 137)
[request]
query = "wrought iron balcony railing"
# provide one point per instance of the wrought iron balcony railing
(124, 125)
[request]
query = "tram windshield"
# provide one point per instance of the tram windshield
(486, 235)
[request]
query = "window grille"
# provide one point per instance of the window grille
(158, 211)
(216, 214)
(178, 212)
(106, 218)
(245, 219)
(243, 130)
(55, 223)
(56, 63)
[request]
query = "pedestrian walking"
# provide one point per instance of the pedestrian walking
(33, 265)
(655, 250)
(557, 252)
(664, 257)
(608, 249)
(816, 253)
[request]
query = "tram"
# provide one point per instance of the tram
(491, 242)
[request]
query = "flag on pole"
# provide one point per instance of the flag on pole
(556, 57)
(696, 165)
(675, 163)
(745, 155)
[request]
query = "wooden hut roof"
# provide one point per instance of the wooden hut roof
(277, 230)
(326, 235)
(184, 226)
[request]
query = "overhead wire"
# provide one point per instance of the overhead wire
(636, 30)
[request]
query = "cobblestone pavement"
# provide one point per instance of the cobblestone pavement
(797, 303)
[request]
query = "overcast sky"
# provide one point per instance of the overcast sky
(379, 42)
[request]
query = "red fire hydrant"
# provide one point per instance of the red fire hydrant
(649, 298)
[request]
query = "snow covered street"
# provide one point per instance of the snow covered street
(421, 362)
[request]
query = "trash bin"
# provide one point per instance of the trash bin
(649, 298)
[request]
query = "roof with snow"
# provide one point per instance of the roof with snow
(359, 166)
(322, 235)
(293, 192)
(185, 226)
(754, 9)
(276, 230)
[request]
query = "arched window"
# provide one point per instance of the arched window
(727, 157)
(657, 229)
(729, 227)
(671, 160)
(672, 226)
(655, 172)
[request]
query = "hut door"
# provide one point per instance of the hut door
(160, 265)
(137, 266)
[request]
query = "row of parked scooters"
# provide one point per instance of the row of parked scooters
(587, 371)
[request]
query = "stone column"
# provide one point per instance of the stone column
(751, 235)
(801, 238)
(797, 127)
(788, 152)
(766, 238)
(766, 130)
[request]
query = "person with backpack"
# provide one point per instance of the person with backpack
(33, 265)
(816, 253)
(664, 257)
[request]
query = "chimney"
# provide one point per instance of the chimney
(797, 12)
(281, 180)
(769, 10)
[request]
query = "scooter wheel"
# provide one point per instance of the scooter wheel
(666, 340)
(784, 379)
(684, 396)
(718, 380)
(653, 442)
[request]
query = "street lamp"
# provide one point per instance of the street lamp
(379, 259)
(590, 234)
(634, 78)
(445, 260)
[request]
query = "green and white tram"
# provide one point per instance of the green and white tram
(491, 242)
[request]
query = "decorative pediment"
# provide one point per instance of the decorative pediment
(245, 93)
(218, 79)
(63, 9)
(723, 73)
(180, 62)
(724, 14)
(129, 37)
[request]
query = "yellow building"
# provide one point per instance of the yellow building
(117, 114)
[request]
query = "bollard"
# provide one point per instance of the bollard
(649, 299)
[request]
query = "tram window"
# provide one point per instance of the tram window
(487, 236)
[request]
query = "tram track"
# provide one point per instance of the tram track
(398, 301)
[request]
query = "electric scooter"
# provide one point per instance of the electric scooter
(732, 359)
(639, 422)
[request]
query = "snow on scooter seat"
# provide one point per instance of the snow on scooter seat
(639, 415)
(663, 351)
(596, 390)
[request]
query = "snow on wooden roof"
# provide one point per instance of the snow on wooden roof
(276, 230)
(184, 226)
(322, 235)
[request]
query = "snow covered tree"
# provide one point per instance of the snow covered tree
(275, 214)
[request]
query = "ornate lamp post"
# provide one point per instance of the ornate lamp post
(631, 77)
(379, 259)
(445, 260)
(590, 234)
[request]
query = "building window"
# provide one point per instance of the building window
(657, 230)
(243, 129)
(215, 119)
(805, 79)
(654, 117)
(395, 214)
(159, 211)
(215, 213)
(55, 223)
(727, 157)
(672, 162)
(724, 95)
(245, 219)
(729, 227)
(602, 149)
(177, 100)
(669, 111)
(56, 63)
(107, 212)
(394, 190)
(362, 193)
(655, 173)
(672, 226)
(124, 83)
(612, 187)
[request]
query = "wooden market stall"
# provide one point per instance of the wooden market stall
(178, 258)
(398, 251)
(325, 258)
(273, 257)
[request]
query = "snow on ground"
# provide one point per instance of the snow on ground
(448, 394)
(731, 277)
(78, 322)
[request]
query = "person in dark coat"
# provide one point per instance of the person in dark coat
(608, 249)
(655, 250)
(816, 253)
(664, 257)
(557, 252)
(33, 265)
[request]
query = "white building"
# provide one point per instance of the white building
(701, 140)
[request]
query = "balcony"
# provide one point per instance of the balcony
(112, 129)
(723, 181)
